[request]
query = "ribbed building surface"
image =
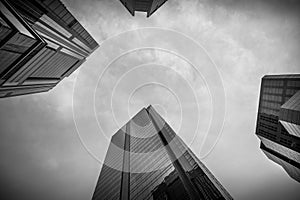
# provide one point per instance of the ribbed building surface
(148, 6)
(40, 44)
(147, 160)
(278, 121)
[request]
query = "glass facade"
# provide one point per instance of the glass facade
(155, 5)
(150, 161)
(40, 40)
(110, 180)
(289, 115)
(278, 120)
(16, 39)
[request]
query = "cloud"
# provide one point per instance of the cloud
(41, 153)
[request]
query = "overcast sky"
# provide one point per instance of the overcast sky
(42, 156)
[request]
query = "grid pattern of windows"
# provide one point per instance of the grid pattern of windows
(273, 83)
(142, 184)
(58, 9)
(152, 159)
(152, 174)
(291, 92)
(271, 105)
(267, 118)
(277, 103)
(55, 66)
(34, 63)
(40, 40)
(211, 177)
(206, 188)
(285, 141)
(109, 182)
(141, 144)
(269, 127)
(272, 98)
(268, 90)
(269, 111)
(108, 186)
(293, 83)
(14, 49)
(142, 128)
(210, 188)
(270, 108)
(266, 134)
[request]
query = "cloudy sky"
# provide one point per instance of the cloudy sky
(200, 67)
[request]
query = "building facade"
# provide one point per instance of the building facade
(278, 121)
(147, 160)
(148, 6)
(40, 44)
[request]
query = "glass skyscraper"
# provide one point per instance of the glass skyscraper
(278, 121)
(147, 160)
(40, 44)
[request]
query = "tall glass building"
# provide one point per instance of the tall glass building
(40, 44)
(147, 160)
(148, 6)
(278, 121)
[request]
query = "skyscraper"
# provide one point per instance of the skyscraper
(149, 6)
(147, 160)
(40, 44)
(278, 121)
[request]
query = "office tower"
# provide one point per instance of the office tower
(149, 6)
(147, 160)
(278, 121)
(40, 44)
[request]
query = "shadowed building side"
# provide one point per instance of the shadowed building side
(156, 164)
(41, 43)
(278, 121)
(148, 6)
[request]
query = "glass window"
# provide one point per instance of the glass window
(273, 83)
(272, 90)
(291, 92)
(269, 111)
(293, 83)
(275, 106)
(272, 98)
(14, 21)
